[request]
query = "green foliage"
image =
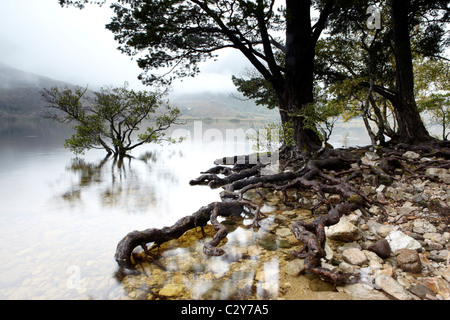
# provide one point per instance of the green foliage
(272, 136)
(432, 84)
(108, 119)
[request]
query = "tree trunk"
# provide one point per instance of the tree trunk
(410, 126)
(299, 80)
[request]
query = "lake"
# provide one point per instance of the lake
(61, 217)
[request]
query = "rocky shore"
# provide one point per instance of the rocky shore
(400, 253)
(407, 256)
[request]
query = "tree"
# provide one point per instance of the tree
(433, 92)
(177, 35)
(108, 119)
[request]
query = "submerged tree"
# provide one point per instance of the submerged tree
(109, 119)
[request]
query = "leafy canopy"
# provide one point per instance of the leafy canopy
(109, 118)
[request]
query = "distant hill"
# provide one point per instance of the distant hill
(216, 105)
(20, 97)
(20, 92)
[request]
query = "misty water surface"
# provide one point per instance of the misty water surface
(61, 217)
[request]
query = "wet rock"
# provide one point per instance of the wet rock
(294, 267)
(171, 290)
(381, 248)
(268, 242)
(344, 231)
(392, 287)
(408, 260)
(354, 256)
(398, 240)
(284, 232)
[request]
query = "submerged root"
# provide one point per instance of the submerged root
(331, 174)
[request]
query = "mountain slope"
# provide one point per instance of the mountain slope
(20, 92)
(20, 97)
(220, 105)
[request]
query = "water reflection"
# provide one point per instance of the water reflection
(253, 267)
(61, 219)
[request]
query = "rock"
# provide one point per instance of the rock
(372, 156)
(440, 173)
(267, 209)
(398, 240)
(294, 267)
(408, 260)
(366, 161)
(423, 226)
(354, 256)
(421, 291)
(378, 228)
(343, 231)
(374, 260)
(406, 209)
(360, 291)
(171, 290)
(446, 274)
(268, 242)
(392, 287)
(284, 232)
(438, 285)
(381, 248)
(411, 155)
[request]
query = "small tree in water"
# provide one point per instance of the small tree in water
(108, 119)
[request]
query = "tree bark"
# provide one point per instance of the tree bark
(410, 126)
(297, 91)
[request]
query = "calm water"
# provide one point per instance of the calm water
(61, 217)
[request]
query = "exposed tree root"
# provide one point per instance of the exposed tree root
(331, 174)
(199, 218)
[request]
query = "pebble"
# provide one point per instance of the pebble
(171, 290)
(354, 256)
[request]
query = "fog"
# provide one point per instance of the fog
(73, 45)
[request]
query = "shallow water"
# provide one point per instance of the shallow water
(61, 217)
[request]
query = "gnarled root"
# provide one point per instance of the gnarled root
(125, 247)
(312, 237)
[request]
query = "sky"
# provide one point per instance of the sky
(73, 45)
